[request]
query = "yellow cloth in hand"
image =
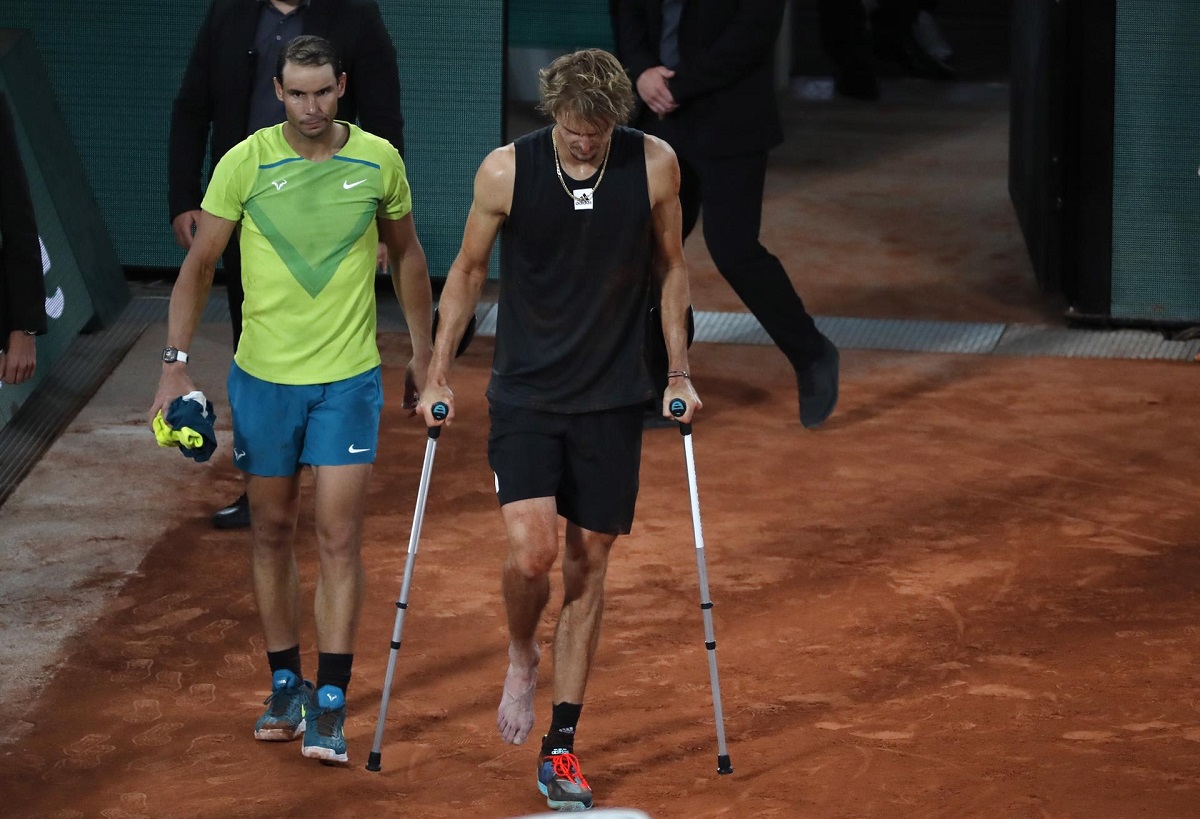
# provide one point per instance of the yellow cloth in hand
(185, 436)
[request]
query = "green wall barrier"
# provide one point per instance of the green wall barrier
(115, 67)
(85, 285)
(1156, 186)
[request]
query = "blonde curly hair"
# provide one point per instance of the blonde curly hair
(591, 84)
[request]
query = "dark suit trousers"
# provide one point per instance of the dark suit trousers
(729, 190)
(843, 26)
(844, 31)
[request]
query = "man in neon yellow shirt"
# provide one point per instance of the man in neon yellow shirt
(310, 199)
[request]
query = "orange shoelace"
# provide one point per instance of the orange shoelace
(566, 766)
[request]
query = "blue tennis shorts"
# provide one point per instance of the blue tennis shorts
(277, 428)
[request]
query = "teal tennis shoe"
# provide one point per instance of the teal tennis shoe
(325, 719)
(283, 720)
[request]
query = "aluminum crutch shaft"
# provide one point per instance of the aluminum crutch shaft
(724, 766)
(440, 411)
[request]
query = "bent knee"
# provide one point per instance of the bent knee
(532, 561)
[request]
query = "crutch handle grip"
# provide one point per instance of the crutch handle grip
(678, 407)
(439, 412)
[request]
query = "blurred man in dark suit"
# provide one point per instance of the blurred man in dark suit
(704, 72)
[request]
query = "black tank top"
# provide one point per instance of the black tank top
(574, 284)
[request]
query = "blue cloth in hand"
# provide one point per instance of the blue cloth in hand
(194, 417)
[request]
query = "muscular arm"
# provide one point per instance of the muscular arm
(410, 279)
(662, 171)
(188, 298)
(460, 295)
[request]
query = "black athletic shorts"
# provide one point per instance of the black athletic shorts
(588, 462)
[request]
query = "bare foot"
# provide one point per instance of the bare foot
(514, 718)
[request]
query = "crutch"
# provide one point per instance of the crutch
(678, 408)
(440, 411)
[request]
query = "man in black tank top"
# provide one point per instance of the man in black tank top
(590, 218)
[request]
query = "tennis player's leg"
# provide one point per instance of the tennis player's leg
(267, 435)
(524, 451)
(597, 495)
(340, 445)
(532, 528)
(585, 563)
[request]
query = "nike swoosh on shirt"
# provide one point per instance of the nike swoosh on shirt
(349, 185)
(354, 450)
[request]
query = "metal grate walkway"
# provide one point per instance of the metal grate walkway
(903, 335)
(92, 357)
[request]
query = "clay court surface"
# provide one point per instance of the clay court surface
(972, 594)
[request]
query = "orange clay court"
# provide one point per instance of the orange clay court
(973, 593)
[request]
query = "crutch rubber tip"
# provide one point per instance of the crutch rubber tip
(723, 764)
(373, 760)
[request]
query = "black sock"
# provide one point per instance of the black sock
(289, 658)
(561, 738)
(334, 669)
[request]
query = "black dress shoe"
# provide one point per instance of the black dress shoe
(234, 516)
(819, 386)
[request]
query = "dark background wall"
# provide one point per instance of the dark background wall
(1102, 162)
(978, 30)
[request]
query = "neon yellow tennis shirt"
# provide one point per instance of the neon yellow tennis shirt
(308, 239)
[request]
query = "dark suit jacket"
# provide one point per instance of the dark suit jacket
(724, 83)
(216, 85)
(22, 289)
